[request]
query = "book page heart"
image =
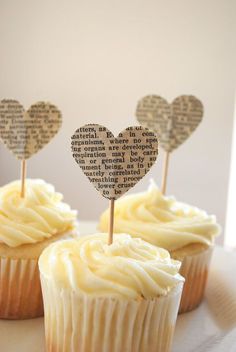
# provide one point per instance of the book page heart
(173, 123)
(114, 165)
(26, 132)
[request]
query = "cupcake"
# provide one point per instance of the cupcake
(109, 298)
(187, 232)
(27, 226)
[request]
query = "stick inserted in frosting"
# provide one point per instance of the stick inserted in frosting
(165, 173)
(23, 176)
(111, 224)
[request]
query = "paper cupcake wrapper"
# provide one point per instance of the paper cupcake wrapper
(195, 271)
(20, 289)
(80, 323)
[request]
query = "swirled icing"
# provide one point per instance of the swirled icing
(161, 220)
(128, 268)
(38, 216)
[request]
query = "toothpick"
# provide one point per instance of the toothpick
(23, 175)
(111, 222)
(165, 172)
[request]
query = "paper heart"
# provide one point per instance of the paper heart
(173, 123)
(26, 132)
(114, 165)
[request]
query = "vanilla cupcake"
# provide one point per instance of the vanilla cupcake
(109, 298)
(187, 232)
(27, 226)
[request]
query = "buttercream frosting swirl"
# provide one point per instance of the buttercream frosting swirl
(38, 216)
(161, 220)
(128, 268)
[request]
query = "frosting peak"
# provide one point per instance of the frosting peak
(128, 268)
(161, 220)
(39, 215)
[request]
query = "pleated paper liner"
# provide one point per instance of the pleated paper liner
(76, 322)
(20, 289)
(195, 270)
(221, 298)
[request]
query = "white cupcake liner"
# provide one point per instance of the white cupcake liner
(20, 289)
(76, 322)
(194, 269)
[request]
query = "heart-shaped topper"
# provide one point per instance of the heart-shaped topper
(26, 132)
(173, 123)
(114, 165)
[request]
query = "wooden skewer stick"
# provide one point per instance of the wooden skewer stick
(164, 173)
(23, 175)
(111, 222)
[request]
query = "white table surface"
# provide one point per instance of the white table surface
(210, 328)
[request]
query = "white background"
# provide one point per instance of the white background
(95, 59)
